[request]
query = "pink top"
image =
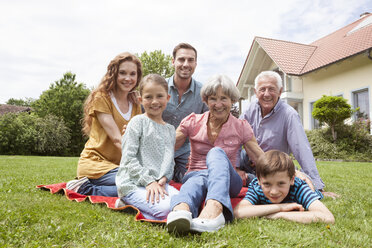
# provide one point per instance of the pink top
(234, 133)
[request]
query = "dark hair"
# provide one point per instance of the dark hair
(184, 46)
(274, 161)
(108, 83)
(153, 78)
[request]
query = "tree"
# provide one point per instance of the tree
(21, 102)
(65, 99)
(156, 62)
(332, 110)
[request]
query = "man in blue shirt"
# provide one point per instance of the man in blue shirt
(185, 99)
(276, 125)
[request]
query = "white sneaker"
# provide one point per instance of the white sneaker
(179, 221)
(119, 203)
(207, 225)
(74, 185)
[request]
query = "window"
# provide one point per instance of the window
(314, 122)
(361, 100)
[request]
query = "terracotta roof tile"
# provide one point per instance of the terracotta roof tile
(297, 59)
(289, 56)
(340, 45)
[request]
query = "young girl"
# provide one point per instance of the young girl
(148, 154)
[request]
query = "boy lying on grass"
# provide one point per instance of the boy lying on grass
(277, 193)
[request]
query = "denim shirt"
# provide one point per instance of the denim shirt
(191, 102)
(282, 130)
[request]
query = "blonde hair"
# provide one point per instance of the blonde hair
(153, 78)
(108, 83)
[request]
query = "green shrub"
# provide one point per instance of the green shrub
(26, 134)
(353, 143)
(53, 136)
(332, 110)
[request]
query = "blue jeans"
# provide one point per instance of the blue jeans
(219, 182)
(245, 165)
(158, 210)
(104, 186)
(180, 166)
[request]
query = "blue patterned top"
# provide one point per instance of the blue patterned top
(300, 193)
(147, 154)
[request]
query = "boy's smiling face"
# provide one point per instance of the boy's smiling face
(276, 186)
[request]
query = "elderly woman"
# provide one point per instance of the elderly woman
(215, 139)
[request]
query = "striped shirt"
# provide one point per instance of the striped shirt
(300, 193)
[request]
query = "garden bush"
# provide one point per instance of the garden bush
(354, 143)
(17, 134)
(28, 134)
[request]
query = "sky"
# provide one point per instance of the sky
(40, 40)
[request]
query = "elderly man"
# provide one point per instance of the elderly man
(185, 99)
(277, 125)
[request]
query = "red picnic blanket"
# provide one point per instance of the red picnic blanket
(110, 201)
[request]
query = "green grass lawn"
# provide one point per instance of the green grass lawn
(31, 217)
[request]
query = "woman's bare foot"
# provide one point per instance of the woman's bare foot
(211, 210)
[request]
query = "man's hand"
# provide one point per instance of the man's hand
(302, 176)
(330, 194)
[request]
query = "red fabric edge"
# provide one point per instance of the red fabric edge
(110, 201)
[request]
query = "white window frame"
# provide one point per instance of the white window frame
(354, 100)
(314, 123)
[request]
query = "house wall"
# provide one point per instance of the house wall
(341, 78)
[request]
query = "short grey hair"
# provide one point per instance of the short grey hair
(270, 74)
(228, 88)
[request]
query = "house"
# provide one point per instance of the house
(339, 64)
(5, 108)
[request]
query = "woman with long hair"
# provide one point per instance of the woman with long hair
(107, 109)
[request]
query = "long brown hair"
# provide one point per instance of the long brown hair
(108, 83)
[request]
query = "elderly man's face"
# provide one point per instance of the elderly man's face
(267, 93)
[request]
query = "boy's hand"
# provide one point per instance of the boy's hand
(154, 189)
(286, 207)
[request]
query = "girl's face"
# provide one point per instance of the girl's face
(154, 98)
(127, 76)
